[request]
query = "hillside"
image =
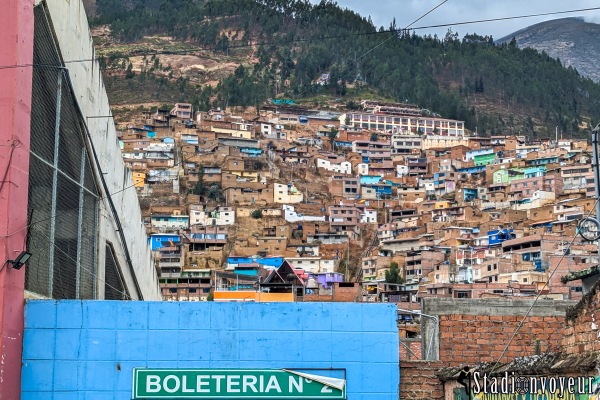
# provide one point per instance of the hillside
(572, 40)
(244, 53)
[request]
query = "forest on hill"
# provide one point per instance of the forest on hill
(289, 44)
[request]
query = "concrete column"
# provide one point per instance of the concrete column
(16, 57)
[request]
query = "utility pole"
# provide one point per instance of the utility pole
(346, 275)
(595, 165)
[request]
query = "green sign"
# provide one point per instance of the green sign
(234, 384)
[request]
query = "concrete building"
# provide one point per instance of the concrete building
(344, 219)
(291, 215)
(287, 194)
(182, 110)
(343, 186)
(405, 143)
(166, 223)
(406, 123)
(335, 164)
(200, 214)
(85, 232)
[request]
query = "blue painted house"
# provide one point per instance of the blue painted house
(369, 179)
(265, 262)
(252, 152)
(342, 144)
(159, 240)
(496, 237)
(472, 170)
(381, 190)
(470, 194)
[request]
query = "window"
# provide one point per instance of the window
(524, 280)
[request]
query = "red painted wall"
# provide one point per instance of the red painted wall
(16, 44)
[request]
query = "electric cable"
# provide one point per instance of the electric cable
(321, 38)
(13, 146)
(521, 323)
(395, 31)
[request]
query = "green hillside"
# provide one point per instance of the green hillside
(283, 47)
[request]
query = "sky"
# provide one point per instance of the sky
(406, 11)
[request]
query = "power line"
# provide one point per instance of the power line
(508, 18)
(14, 145)
(321, 38)
(565, 252)
(426, 14)
(395, 31)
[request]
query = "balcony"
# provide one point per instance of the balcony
(170, 264)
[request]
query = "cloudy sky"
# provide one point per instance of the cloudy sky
(453, 11)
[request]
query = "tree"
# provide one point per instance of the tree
(216, 193)
(129, 72)
(256, 214)
(200, 187)
(332, 135)
(393, 274)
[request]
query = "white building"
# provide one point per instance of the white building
(313, 265)
(343, 167)
(287, 194)
(369, 216)
(362, 169)
(166, 223)
(292, 216)
(405, 143)
(219, 216)
(401, 170)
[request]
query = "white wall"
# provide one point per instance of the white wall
(292, 216)
(71, 27)
(286, 196)
(370, 216)
(342, 168)
(362, 169)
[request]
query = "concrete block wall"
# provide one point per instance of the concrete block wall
(473, 330)
(88, 349)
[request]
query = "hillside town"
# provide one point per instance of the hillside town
(308, 240)
(305, 205)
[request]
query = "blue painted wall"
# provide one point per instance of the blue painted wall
(88, 349)
(159, 240)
